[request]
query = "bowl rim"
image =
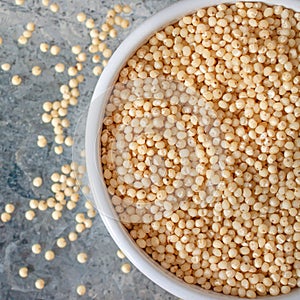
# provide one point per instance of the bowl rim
(120, 235)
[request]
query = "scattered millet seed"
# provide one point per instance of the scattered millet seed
(44, 47)
(54, 50)
(55, 177)
(5, 67)
(125, 24)
(82, 153)
(118, 20)
(118, 8)
(82, 257)
(113, 33)
(97, 70)
(19, 2)
(23, 272)
(36, 248)
(90, 23)
(41, 141)
(88, 223)
(30, 26)
(72, 236)
(56, 215)
(49, 255)
(37, 181)
(81, 17)
(47, 106)
(80, 228)
(66, 169)
(105, 27)
(27, 34)
(51, 202)
(36, 70)
(65, 123)
(125, 268)
(81, 290)
(96, 58)
(1, 40)
(54, 7)
(120, 254)
(22, 40)
(58, 207)
(46, 2)
(76, 49)
(107, 53)
(69, 141)
(39, 284)
(42, 206)
(61, 242)
(88, 205)
(81, 57)
(46, 118)
(126, 9)
(91, 213)
(71, 205)
(58, 150)
(33, 204)
(72, 71)
(59, 68)
(104, 63)
(9, 208)
(29, 215)
(79, 218)
(59, 139)
(5, 217)
(16, 80)
(86, 189)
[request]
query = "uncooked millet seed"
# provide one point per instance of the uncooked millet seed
(54, 7)
(41, 141)
(9, 208)
(23, 272)
(5, 67)
(46, 2)
(29, 215)
(120, 254)
(58, 150)
(82, 257)
(72, 236)
(125, 268)
(200, 148)
(49, 255)
(97, 70)
(37, 181)
(5, 217)
(19, 2)
(81, 290)
(22, 40)
(61, 242)
(16, 80)
(30, 26)
(36, 71)
(59, 67)
(54, 50)
(36, 248)
(44, 47)
(81, 17)
(39, 284)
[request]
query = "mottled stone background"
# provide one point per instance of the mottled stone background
(21, 160)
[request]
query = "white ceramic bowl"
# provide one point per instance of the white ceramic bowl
(138, 257)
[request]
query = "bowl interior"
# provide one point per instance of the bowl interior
(138, 257)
